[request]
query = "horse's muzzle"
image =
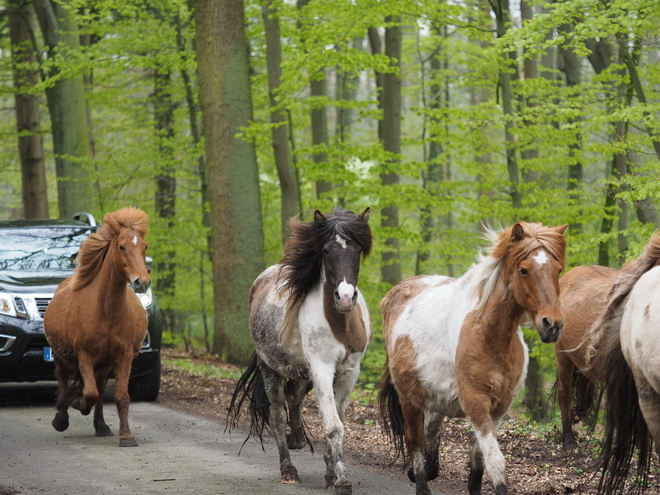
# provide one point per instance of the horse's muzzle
(139, 286)
(549, 330)
(345, 304)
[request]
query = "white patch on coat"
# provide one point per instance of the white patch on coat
(541, 258)
(134, 240)
(341, 241)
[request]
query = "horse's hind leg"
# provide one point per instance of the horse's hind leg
(414, 438)
(296, 390)
(565, 370)
(123, 400)
(61, 420)
(100, 427)
(274, 385)
(432, 429)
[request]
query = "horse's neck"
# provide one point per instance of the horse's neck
(347, 328)
(501, 315)
(111, 288)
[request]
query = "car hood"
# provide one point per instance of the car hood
(25, 281)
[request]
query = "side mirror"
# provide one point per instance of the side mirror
(150, 263)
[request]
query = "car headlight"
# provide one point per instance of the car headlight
(7, 305)
(146, 298)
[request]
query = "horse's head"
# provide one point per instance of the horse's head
(128, 250)
(536, 260)
(341, 257)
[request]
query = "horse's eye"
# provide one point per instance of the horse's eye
(523, 272)
(121, 248)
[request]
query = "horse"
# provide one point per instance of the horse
(95, 322)
(455, 349)
(310, 327)
(629, 350)
(583, 293)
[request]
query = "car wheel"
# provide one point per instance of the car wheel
(146, 387)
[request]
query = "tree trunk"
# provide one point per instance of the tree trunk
(30, 142)
(502, 16)
(68, 114)
(236, 224)
(279, 132)
(165, 200)
(391, 265)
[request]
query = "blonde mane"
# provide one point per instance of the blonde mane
(94, 248)
(504, 250)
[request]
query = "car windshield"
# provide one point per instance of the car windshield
(40, 248)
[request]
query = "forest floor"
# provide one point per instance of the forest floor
(536, 462)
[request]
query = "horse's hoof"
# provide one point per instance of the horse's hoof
(104, 431)
(60, 424)
(411, 475)
(295, 442)
(343, 489)
(290, 476)
(127, 442)
(330, 480)
(570, 444)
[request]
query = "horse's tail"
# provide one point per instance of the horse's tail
(250, 386)
(391, 413)
(626, 430)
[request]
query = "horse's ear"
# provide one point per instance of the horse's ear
(318, 216)
(517, 232)
(110, 220)
(561, 229)
(365, 214)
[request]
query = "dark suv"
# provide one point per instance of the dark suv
(35, 256)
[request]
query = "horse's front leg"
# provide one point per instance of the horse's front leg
(90, 393)
(432, 430)
(123, 400)
(274, 385)
(61, 420)
(486, 455)
(333, 397)
(100, 427)
(565, 370)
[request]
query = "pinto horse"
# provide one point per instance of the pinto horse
(310, 326)
(95, 322)
(629, 361)
(583, 293)
(454, 348)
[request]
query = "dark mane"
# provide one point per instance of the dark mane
(93, 250)
(303, 252)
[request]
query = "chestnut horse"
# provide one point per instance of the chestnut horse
(629, 361)
(454, 348)
(583, 293)
(95, 322)
(310, 326)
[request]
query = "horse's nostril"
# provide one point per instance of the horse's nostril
(137, 284)
(547, 324)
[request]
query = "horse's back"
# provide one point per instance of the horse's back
(640, 341)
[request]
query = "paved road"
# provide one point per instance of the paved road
(177, 453)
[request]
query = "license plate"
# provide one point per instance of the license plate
(48, 354)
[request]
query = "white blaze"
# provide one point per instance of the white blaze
(541, 258)
(345, 290)
(341, 241)
(134, 240)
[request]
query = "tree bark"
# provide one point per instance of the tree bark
(236, 222)
(289, 186)
(28, 125)
(391, 265)
(68, 113)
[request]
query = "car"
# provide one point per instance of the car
(35, 257)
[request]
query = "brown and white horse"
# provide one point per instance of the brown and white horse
(629, 360)
(310, 327)
(454, 348)
(584, 293)
(95, 322)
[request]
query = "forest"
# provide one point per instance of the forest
(222, 119)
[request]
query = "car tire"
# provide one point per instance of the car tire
(145, 388)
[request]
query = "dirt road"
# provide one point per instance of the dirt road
(177, 453)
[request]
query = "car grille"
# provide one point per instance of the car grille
(42, 304)
(20, 307)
